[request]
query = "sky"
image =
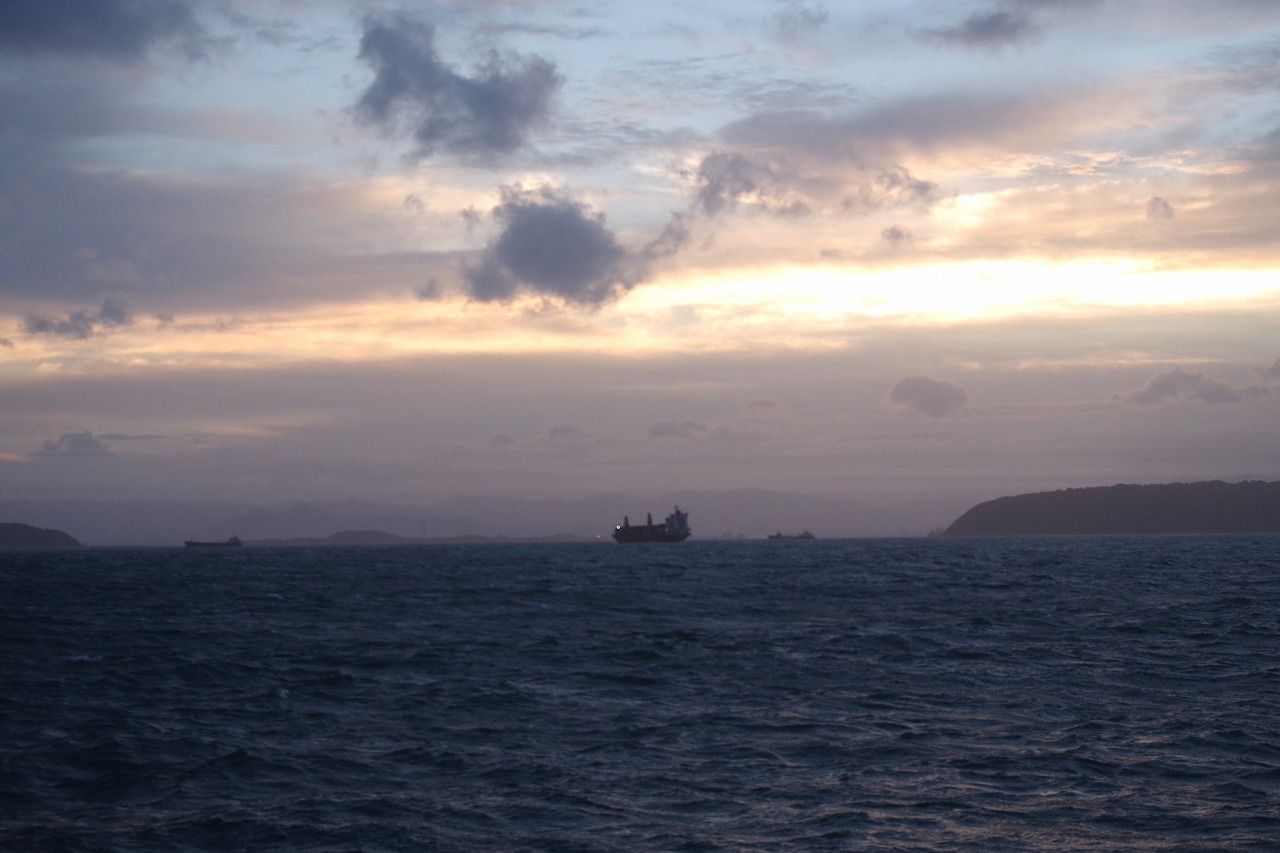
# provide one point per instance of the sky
(276, 251)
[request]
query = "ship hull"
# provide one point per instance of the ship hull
(226, 543)
(657, 533)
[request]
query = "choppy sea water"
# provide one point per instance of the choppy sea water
(1055, 694)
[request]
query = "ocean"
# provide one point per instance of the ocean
(910, 695)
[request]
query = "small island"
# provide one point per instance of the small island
(23, 537)
(1178, 508)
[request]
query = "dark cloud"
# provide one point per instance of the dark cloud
(111, 29)
(42, 110)
(477, 117)
(6, 343)
(929, 396)
(80, 325)
(678, 429)
(554, 245)
(557, 246)
(991, 29)
(77, 445)
(1000, 26)
(1158, 208)
(489, 280)
(1181, 384)
(124, 436)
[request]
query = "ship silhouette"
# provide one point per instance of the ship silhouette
(674, 529)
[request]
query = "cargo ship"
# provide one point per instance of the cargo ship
(804, 534)
(233, 542)
(674, 529)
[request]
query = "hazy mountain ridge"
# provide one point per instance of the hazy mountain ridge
(1177, 508)
(382, 537)
(744, 512)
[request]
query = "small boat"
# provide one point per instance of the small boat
(233, 542)
(804, 534)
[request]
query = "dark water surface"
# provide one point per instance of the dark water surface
(1057, 694)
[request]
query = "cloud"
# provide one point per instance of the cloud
(788, 186)
(760, 408)
(727, 178)
(1273, 371)
(993, 29)
(124, 436)
(896, 236)
(80, 325)
(567, 434)
(796, 20)
(555, 245)
(109, 29)
(1002, 25)
(77, 445)
(490, 29)
(875, 137)
(1158, 208)
(677, 429)
(568, 441)
(891, 187)
(429, 291)
(929, 396)
(501, 439)
(1180, 384)
(477, 117)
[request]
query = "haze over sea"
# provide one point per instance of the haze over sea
(1047, 694)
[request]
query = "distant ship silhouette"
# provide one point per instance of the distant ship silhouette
(674, 529)
(233, 542)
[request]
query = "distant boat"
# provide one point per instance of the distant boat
(674, 529)
(804, 534)
(233, 542)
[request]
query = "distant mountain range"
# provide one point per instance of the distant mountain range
(382, 537)
(1206, 507)
(712, 514)
(1183, 508)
